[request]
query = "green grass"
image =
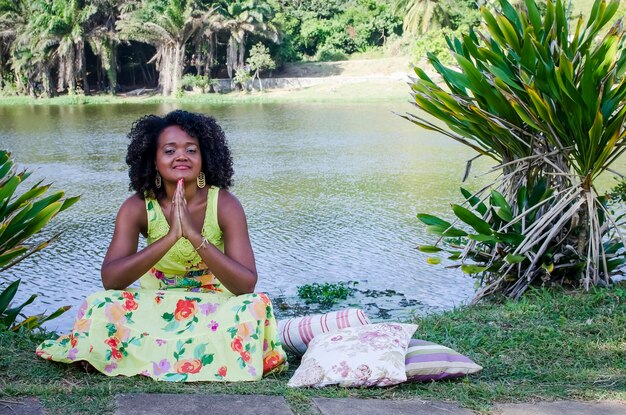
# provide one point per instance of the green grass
(550, 345)
(363, 92)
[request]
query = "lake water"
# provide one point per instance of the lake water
(330, 190)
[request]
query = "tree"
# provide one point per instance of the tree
(241, 18)
(167, 25)
(260, 60)
(548, 105)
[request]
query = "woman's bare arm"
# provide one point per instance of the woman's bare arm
(122, 264)
(235, 268)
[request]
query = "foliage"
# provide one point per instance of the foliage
(9, 315)
(493, 243)
(546, 103)
(329, 53)
(203, 82)
(260, 60)
(326, 294)
(354, 27)
(434, 42)
(21, 217)
(242, 78)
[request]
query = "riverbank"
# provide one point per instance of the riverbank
(548, 346)
(352, 81)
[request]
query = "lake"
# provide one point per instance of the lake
(330, 190)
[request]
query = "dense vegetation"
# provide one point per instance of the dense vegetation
(68, 46)
(546, 101)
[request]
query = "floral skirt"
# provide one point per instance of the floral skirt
(173, 335)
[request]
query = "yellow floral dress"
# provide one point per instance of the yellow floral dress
(181, 325)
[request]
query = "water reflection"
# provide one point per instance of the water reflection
(330, 191)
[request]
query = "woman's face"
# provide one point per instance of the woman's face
(178, 155)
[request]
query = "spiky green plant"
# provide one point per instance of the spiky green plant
(21, 217)
(545, 102)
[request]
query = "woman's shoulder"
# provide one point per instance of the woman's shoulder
(227, 201)
(134, 209)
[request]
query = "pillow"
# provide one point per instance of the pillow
(296, 333)
(370, 355)
(431, 361)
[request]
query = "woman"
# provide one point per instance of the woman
(195, 317)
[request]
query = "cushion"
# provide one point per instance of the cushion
(427, 361)
(296, 333)
(370, 355)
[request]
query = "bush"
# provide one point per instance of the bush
(22, 217)
(434, 41)
(330, 54)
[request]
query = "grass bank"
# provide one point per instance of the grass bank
(353, 92)
(550, 345)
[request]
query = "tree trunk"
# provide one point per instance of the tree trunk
(82, 66)
(242, 52)
(177, 70)
(61, 75)
(47, 82)
(231, 56)
(210, 55)
(259, 78)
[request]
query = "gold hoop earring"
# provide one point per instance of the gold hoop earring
(157, 180)
(201, 180)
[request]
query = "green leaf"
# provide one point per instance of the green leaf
(472, 220)
(429, 249)
(7, 295)
(432, 220)
(433, 260)
(473, 269)
(448, 232)
(514, 259)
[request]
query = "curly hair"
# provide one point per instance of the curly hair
(217, 163)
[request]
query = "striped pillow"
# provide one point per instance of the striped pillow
(427, 361)
(296, 333)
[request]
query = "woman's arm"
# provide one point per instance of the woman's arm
(122, 264)
(235, 268)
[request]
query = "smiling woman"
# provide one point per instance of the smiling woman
(196, 316)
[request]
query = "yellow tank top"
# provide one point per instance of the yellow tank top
(181, 266)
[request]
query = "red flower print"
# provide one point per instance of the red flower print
(237, 344)
(271, 360)
(73, 340)
(158, 300)
(115, 354)
(265, 299)
(128, 296)
(112, 342)
(246, 356)
(188, 366)
(184, 309)
(130, 305)
(222, 371)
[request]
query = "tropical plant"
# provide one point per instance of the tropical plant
(546, 103)
(167, 25)
(260, 60)
(23, 215)
(241, 18)
(494, 234)
(241, 78)
(8, 316)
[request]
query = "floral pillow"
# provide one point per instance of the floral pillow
(427, 361)
(371, 355)
(296, 333)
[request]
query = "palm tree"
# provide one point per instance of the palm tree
(240, 18)
(167, 25)
(418, 14)
(104, 40)
(62, 26)
(13, 20)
